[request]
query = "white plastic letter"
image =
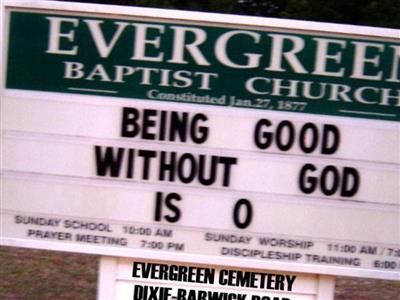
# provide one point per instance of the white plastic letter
(394, 77)
(179, 46)
(360, 60)
(97, 34)
(221, 50)
(55, 35)
(322, 57)
(73, 70)
(141, 42)
(290, 56)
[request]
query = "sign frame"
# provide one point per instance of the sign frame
(179, 16)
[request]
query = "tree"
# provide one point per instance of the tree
(359, 12)
(384, 13)
(264, 8)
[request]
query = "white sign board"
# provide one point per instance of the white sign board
(209, 155)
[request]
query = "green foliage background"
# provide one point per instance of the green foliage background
(382, 13)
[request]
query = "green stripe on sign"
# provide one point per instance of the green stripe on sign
(239, 67)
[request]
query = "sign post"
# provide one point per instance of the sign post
(201, 139)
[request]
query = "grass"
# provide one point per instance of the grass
(366, 289)
(45, 275)
(37, 274)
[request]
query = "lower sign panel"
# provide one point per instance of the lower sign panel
(194, 225)
(137, 279)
